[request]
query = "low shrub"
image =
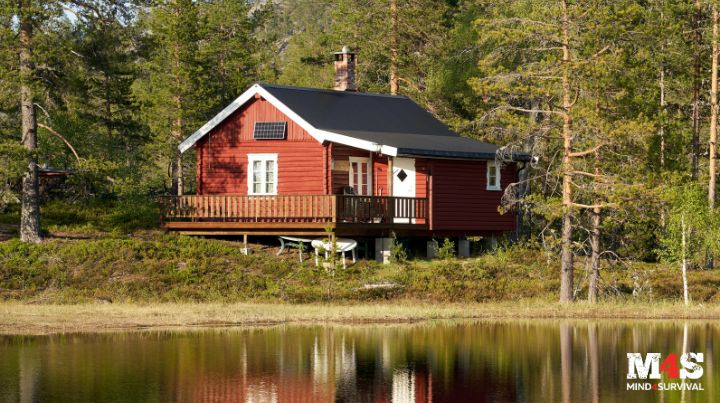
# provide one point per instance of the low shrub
(156, 267)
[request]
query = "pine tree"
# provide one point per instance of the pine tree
(34, 24)
(199, 58)
(555, 63)
(397, 42)
(171, 91)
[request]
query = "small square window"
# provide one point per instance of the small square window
(493, 176)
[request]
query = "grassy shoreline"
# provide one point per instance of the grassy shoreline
(30, 319)
(100, 269)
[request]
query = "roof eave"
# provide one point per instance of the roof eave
(412, 152)
(255, 89)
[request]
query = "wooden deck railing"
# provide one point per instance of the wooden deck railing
(232, 208)
(295, 209)
(382, 209)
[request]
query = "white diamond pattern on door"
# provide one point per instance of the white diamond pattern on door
(403, 186)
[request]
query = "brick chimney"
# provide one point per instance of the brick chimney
(345, 70)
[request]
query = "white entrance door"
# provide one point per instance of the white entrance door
(404, 186)
(360, 176)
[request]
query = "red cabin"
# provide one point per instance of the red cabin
(285, 160)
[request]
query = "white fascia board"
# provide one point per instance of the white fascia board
(319, 135)
(390, 151)
(350, 141)
(217, 119)
(290, 114)
(236, 104)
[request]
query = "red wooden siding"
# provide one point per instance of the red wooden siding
(461, 201)
(422, 168)
(222, 154)
(339, 178)
(380, 176)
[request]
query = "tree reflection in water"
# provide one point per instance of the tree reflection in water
(488, 361)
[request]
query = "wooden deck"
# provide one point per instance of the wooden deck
(293, 214)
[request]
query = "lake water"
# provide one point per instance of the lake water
(479, 361)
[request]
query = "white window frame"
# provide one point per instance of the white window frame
(497, 185)
(353, 174)
(251, 173)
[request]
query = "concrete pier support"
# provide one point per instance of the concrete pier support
(245, 250)
(432, 249)
(382, 250)
(463, 247)
(493, 242)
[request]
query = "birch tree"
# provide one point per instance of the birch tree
(692, 230)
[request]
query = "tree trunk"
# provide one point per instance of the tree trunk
(713, 111)
(686, 297)
(662, 110)
(108, 105)
(595, 257)
(566, 268)
(30, 210)
(684, 351)
(566, 359)
(594, 363)
(393, 47)
(176, 169)
(177, 125)
(697, 39)
(524, 213)
(661, 131)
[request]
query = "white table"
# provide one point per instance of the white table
(342, 245)
(292, 241)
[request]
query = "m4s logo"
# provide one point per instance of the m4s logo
(651, 367)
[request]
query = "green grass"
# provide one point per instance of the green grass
(112, 251)
(169, 268)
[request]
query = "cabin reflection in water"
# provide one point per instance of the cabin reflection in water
(334, 376)
(522, 361)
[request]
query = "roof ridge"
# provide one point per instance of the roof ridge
(353, 93)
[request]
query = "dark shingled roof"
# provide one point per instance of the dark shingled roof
(393, 121)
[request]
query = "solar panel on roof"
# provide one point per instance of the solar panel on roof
(269, 130)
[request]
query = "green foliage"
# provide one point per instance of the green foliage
(446, 251)
(398, 254)
(96, 217)
(688, 210)
(12, 166)
(125, 82)
(155, 268)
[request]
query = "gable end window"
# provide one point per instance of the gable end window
(269, 130)
(262, 174)
(493, 175)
